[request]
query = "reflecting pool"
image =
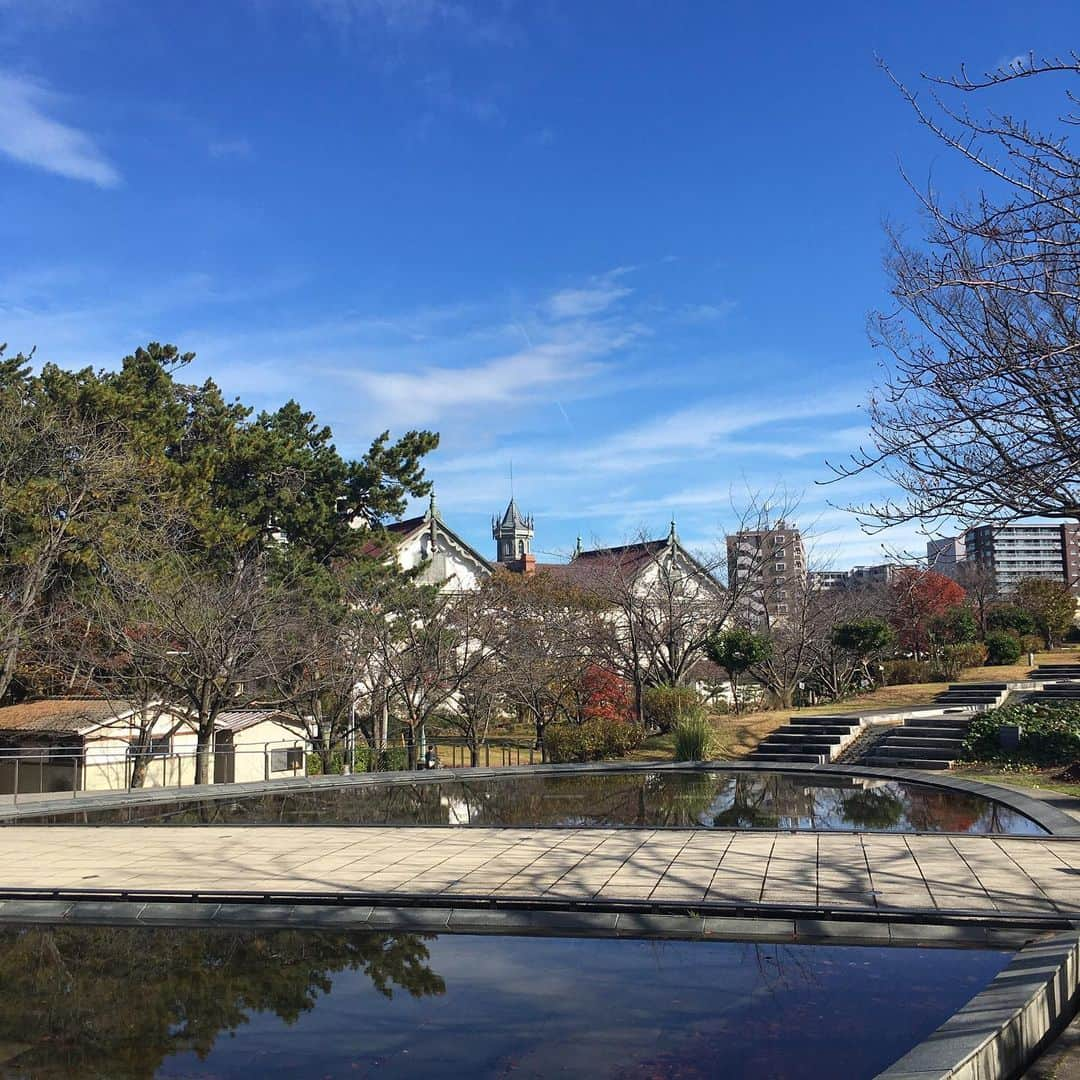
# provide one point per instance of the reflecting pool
(685, 798)
(133, 1003)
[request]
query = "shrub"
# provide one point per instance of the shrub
(595, 739)
(904, 672)
(1011, 617)
(955, 658)
(693, 740)
(1049, 734)
(1002, 647)
(666, 706)
(957, 626)
(365, 759)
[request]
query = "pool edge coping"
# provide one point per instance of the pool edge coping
(383, 915)
(1001, 1031)
(1056, 822)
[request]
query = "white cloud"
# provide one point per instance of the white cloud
(426, 395)
(229, 148)
(591, 299)
(414, 16)
(30, 136)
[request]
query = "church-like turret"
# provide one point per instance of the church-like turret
(513, 536)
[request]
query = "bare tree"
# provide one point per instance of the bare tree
(71, 493)
(192, 638)
(658, 605)
(979, 417)
(427, 643)
(549, 631)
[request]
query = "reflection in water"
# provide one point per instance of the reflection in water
(686, 798)
(100, 1001)
(136, 1003)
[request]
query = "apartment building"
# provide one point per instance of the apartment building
(767, 566)
(1014, 552)
(946, 555)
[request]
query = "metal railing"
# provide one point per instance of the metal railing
(35, 772)
(457, 754)
(39, 771)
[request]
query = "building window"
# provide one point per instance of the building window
(160, 746)
(286, 760)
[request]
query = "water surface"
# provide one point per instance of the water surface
(135, 1003)
(678, 798)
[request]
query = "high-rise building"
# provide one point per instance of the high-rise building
(768, 567)
(1026, 550)
(945, 555)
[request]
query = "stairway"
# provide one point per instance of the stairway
(1055, 691)
(925, 742)
(981, 696)
(808, 740)
(1047, 672)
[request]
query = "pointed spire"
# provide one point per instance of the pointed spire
(578, 549)
(673, 536)
(433, 509)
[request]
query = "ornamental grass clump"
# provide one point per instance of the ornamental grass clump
(693, 739)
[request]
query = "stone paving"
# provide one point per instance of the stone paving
(993, 876)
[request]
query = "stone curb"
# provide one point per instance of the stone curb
(1055, 821)
(1001, 1030)
(521, 922)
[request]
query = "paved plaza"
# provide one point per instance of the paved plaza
(995, 876)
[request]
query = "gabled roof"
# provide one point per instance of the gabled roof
(628, 560)
(241, 719)
(403, 531)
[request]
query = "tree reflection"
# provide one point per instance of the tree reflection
(103, 1001)
(872, 808)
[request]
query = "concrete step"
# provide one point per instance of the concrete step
(919, 750)
(800, 746)
(906, 763)
(817, 729)
(945, 723)
(839, 721)
(796, 759)
(929, 736)
(824, 738)
(916, 738)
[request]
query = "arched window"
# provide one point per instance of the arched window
(521, 548)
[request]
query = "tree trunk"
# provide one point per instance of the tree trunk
(203, 749)
(410, 746)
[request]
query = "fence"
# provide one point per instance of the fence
(491, 755)
(38, 771)
(28, 771)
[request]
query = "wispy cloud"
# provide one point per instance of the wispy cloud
(29, 135)
(229, 148)
(601, 293)
(439, 91)
(431, 393)
(415, 16)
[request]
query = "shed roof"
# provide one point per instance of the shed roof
(68, 716)
(241, 719)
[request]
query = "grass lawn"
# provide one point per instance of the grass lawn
(736, 736)
(1065, 779)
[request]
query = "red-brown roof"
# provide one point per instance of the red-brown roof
(67, 716)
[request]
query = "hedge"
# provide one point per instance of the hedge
(1049, 734)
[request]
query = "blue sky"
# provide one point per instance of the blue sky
(629, 246)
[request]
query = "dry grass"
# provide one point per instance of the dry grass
(736, 736)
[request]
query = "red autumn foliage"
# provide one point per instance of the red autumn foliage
(917, 597)
(606, 696)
